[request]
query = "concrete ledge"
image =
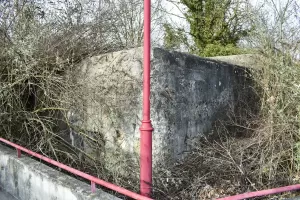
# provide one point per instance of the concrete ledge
(28, 179)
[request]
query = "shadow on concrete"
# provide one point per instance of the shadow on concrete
(6, 196)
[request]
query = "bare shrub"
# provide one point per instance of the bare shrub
(38, 47)
(41, 41)
(253, 150)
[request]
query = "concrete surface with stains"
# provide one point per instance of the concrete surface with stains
(6, 196)
(188, 94)
(28, 179)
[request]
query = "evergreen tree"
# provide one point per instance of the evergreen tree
(216, 23)
(174, 38)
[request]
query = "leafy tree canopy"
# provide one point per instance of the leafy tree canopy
(215, 24)
(174, 38)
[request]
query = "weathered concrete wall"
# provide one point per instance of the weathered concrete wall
(189, 94)
(245, 60)
(28, 179)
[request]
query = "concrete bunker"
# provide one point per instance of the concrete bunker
(188, 94)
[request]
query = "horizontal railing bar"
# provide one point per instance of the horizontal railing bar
(262, 193)
(79, 173)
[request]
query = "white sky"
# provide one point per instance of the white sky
(176, 17)
(178, 10)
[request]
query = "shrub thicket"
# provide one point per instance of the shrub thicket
(38, 49)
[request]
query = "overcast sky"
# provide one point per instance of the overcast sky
(176, 15)
(175, 10)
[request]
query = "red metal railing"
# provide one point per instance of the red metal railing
(93, 179)
(262, 193)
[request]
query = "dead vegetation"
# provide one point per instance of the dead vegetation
(252, 151)
(40, 42)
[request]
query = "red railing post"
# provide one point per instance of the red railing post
(146, 128)
(19, 153)
(93, 186)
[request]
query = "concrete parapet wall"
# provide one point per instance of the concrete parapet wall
(28, 179)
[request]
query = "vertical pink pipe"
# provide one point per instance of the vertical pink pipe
(146, 127)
